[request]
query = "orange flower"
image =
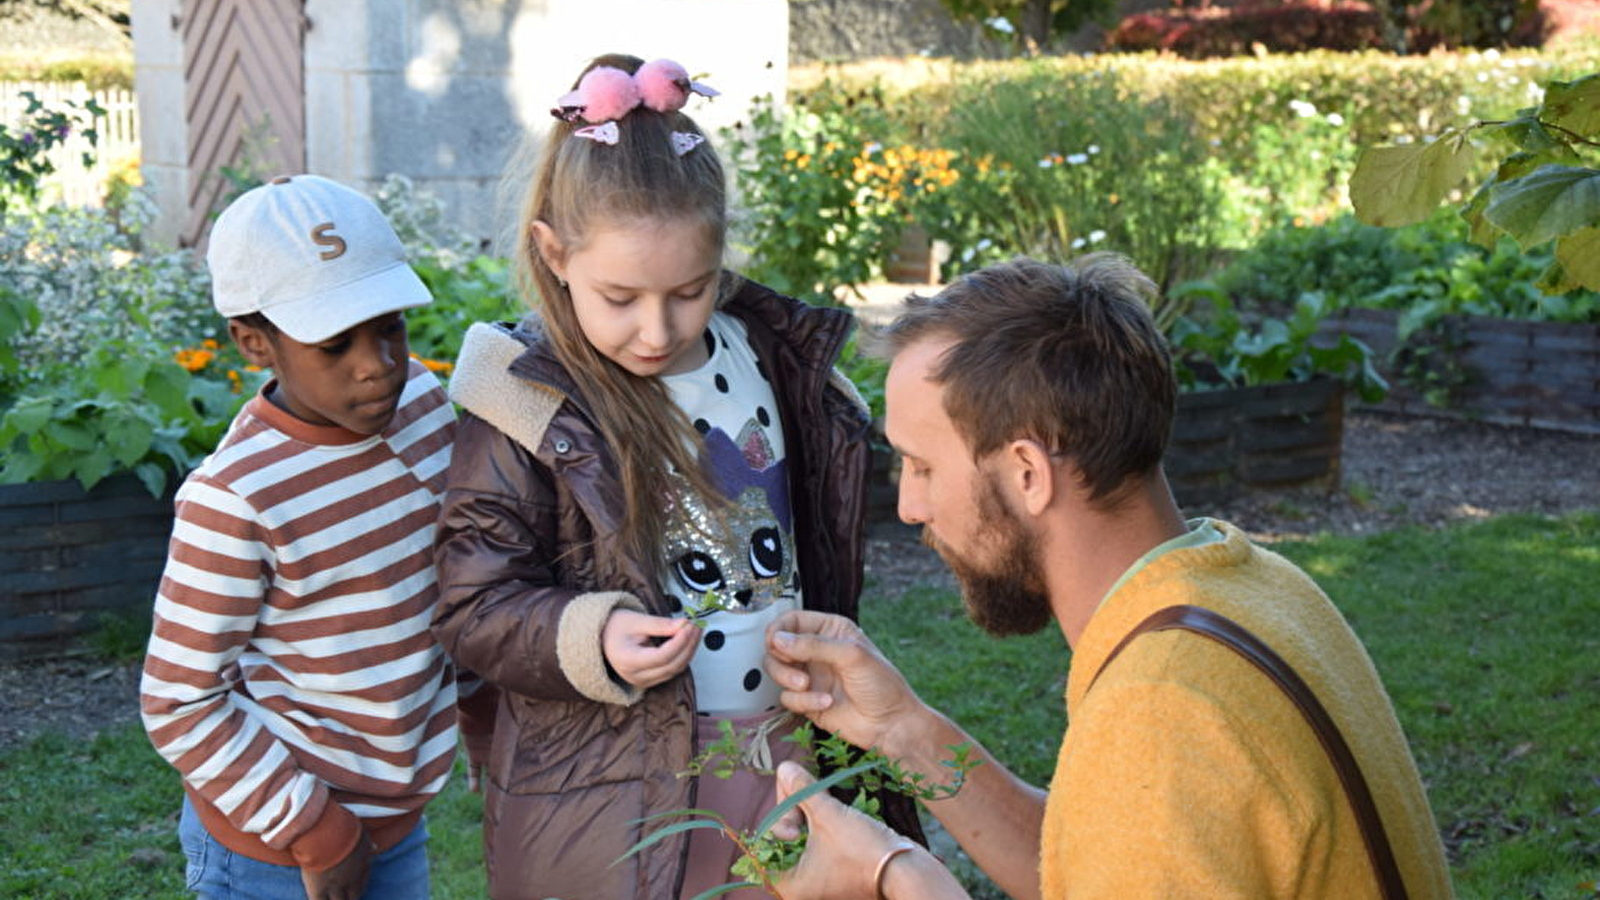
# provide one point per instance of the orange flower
(438, 367)
(194, 360)
(235, 382)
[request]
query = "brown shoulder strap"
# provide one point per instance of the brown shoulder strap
(1230, 634)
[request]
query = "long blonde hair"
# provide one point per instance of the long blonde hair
(577, 184)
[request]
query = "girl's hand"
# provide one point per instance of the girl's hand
(633, 646)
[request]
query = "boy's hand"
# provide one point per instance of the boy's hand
(345, 881)
(632, 646)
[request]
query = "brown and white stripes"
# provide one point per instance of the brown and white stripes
(291, 662)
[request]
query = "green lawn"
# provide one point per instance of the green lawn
(1488, 636)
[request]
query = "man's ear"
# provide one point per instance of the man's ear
(550, 248)
(254, 344)
(1033, 474)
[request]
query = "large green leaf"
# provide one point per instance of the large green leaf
(1578, 254)
(1574, 105)
(1402, 185)
(1551, 202)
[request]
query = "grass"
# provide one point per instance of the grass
(1487, 635)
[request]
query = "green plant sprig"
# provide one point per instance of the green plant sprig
(762, 856)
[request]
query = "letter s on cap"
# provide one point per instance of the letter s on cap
(323, 236)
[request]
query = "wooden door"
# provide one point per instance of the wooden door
(244, 98)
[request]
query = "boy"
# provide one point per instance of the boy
(291, 677)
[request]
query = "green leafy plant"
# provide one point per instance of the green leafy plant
(1541, 190)
(1219, 347)
(763, 858)
(25, 151)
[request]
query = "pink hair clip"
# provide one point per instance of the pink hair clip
(605, 94)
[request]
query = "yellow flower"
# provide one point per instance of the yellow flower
(235, 382)
(790, 154)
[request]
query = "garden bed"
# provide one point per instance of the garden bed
(1504, 371)
(68, 556)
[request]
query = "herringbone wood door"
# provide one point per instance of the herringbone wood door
(244, 100)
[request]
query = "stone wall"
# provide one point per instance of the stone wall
(442, 91)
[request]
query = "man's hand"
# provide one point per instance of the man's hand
(831, 673)
(844, 847)
(345, 881)
(633, 647)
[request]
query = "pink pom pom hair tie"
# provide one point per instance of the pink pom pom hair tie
(605, 94)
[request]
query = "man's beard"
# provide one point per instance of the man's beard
(1006, 595)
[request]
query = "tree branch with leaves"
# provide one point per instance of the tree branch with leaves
(1543, 188)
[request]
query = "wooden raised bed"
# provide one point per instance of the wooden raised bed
(67, 556)
(1232, 441)
(1532, 374)
(1225, 443)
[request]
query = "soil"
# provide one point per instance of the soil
(1397, 471)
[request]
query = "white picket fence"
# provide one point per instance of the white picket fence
(118, 136)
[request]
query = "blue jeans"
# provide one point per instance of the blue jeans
(214, 872)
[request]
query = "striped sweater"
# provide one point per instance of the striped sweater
(291, 676)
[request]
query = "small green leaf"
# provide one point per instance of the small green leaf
(153, 476)
(1402, 185)
(72, 434)
(1551, 202)
(667, 831)
(29, 414)
(795, 799)
(1578, 255)
(1574, 105)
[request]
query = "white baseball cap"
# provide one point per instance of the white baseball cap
(313, 256)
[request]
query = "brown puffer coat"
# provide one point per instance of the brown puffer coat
(530, 567)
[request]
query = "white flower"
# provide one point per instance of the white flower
(1463, 104)
(1001, 24)
(1077, 159)
(1302, 109)
(1335, 119)
(1093, 149)
(1078, 243)
(985, 243)
(1046, 163)
(1096, 236)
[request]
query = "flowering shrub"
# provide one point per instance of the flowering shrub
(1062, 165)
(24, 153)
(806, 223)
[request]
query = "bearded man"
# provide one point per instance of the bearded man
(1228, 735)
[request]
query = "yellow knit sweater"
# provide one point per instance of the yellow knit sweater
(1187, 773)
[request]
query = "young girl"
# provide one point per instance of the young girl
(649, 469)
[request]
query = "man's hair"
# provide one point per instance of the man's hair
(1067, 355)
